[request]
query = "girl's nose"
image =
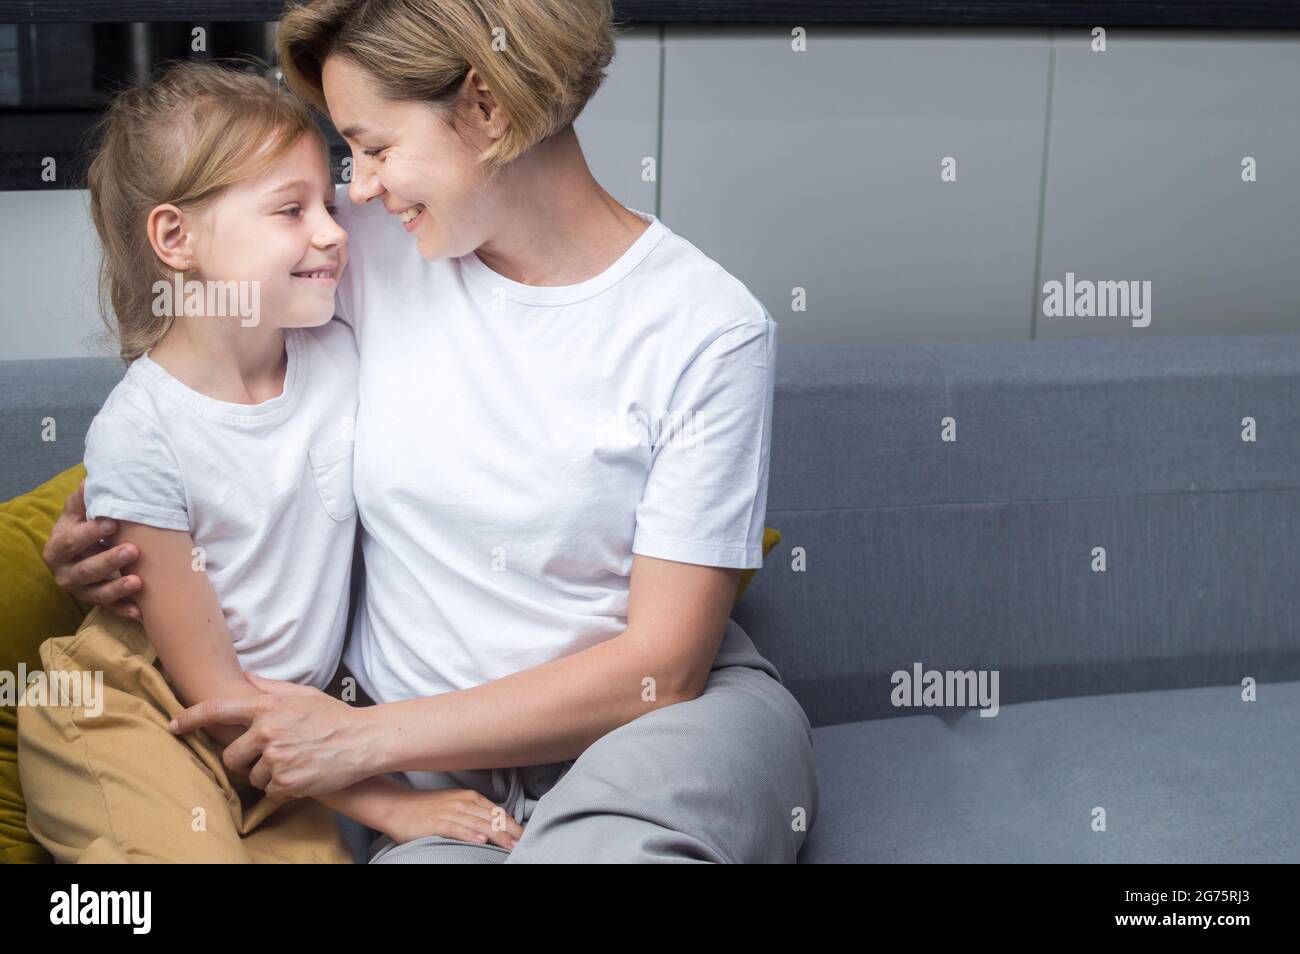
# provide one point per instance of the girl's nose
(330, 233)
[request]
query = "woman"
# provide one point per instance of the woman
(561, 467)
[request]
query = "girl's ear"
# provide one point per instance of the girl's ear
(169, 237)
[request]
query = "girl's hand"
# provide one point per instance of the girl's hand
(300, 742)
(460, 813)
(83, 566)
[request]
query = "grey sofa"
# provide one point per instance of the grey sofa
(1120, 692)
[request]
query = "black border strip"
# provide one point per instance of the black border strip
(1229, 14)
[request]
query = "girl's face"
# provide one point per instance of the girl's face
(278, 230)
(405, 154)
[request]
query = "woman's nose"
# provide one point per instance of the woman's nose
(363, 188)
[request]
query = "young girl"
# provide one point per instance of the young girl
(225, 455)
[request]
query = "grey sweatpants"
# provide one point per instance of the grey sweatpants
(726, 777)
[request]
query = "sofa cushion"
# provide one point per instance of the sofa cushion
(1184, 776)
(33, 609)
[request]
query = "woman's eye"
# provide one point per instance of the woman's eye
(372, 152)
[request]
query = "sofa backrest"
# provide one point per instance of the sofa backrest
(978, 553)
(68, 391)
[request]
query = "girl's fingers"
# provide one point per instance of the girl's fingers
(463, 830)
(488, 810)
(481, 826)
(513, 828)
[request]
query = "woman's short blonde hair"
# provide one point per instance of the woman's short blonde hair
(542, 59)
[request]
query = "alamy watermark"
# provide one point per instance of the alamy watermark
(954, 688)
(75, 906)
(208, 299)
(648, 428)
(82, 689)
(1089, 299)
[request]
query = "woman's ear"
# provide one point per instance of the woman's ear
(488, 114)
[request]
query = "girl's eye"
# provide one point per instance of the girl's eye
(293, 212)
(333, 210)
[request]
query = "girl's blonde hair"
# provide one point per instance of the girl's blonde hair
(542, 59)
(180, 138)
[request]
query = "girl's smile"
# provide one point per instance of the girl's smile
(326, 275)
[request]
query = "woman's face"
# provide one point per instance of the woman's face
(406, 155)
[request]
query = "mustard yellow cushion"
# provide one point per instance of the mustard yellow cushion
(770, 539)
(32, 608)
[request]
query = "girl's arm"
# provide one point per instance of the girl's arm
(183, 619)
(185, 624)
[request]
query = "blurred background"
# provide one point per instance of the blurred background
(803, 146)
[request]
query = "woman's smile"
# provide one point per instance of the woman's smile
(411, 217)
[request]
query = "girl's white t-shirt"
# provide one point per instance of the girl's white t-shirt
(518, 444)
(264, 489)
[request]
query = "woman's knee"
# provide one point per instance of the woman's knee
(728, 776)
(434, 850)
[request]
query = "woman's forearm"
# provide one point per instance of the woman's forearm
(548, 713)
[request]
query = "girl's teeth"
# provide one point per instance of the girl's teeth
(412, 212)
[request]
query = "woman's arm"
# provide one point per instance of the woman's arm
(184, 622)
(677, 614)
(302, 743)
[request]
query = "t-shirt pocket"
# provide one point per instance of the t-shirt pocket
(331, 463)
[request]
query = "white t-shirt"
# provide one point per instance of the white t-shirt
(264, 489)
(517, 444)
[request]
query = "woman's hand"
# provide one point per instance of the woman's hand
(300, 742)
(460, 813)
(84, 566)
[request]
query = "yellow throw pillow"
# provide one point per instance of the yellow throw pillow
(32, 609)
(770, 539)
